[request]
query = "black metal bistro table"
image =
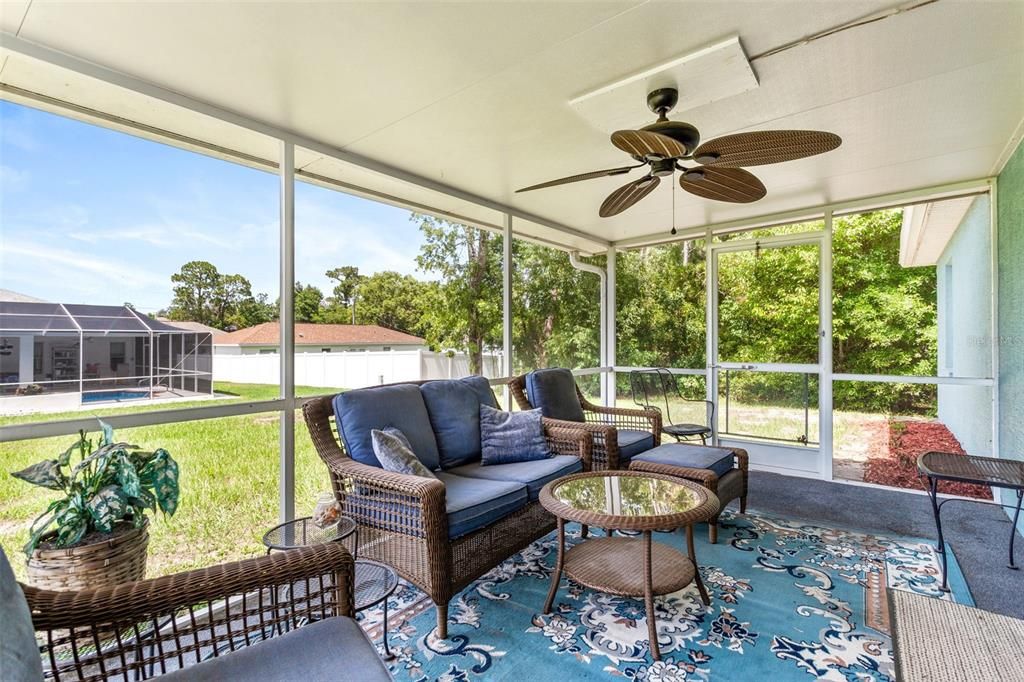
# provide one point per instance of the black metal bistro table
(990, 471)
(374, 582)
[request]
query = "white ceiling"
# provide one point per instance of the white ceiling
(476, 95)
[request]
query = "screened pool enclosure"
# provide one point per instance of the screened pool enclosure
(60, 356)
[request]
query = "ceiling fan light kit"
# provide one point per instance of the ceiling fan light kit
(664, 145)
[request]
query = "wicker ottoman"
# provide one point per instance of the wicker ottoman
(723, 471)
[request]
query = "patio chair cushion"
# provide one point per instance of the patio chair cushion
(395, 454)
(360, 411)
(330, 649)
(472, 503)
(453, 407)
(718, 460)
(507, 437)
(19, 653)
(535, 474)
(631, 443)
(554, 392)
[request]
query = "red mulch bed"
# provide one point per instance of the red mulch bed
(895, 463)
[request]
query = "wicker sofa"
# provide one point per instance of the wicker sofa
(619, 433)
(439, 534)
(240, 620)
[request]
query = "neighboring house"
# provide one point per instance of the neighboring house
(89, 352)
(191, 326)
(16, 297)
(316, 338)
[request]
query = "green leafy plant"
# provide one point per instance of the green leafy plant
(112, 483)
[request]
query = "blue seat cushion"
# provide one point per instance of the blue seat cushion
(535, 475)
(401, 407)
(718, 460)
(453, 406)
(473, 503)
(631, 443)
(554, 392)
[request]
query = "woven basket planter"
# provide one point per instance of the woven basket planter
(119, 559)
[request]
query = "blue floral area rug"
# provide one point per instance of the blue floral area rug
(789, 601)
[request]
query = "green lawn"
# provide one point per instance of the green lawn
(229, 494)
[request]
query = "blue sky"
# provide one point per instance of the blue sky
(89, 215)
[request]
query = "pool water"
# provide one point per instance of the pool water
(104, 396)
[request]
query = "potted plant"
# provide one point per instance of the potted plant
(95, 534)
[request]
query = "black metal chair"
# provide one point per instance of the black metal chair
(653, 387)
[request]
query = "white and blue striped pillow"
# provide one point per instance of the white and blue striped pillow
(395, 454)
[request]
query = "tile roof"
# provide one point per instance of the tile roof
(306, 334)
(191, 326)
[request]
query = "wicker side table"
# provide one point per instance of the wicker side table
(628, 566)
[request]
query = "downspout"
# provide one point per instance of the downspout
(602, 275)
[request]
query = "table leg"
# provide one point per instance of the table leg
(933, 493)
(696, 569)
(556, 576)
(652, 624)
(1013, 528)
(387, 651)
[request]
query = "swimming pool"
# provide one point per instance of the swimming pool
(106, 396)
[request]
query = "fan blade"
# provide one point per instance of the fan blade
(581, 176)
(723, 184)
(763, 147)
(627, 195)
(644, 144)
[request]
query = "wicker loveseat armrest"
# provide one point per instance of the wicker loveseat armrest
(165, 623)
(642, 419)
(570, 439)
(390, 501)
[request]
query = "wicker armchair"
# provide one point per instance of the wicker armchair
(147, 628)
(603, 423)
(412, 536)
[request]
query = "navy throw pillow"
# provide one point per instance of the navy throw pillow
(395, 454)
(507, 437)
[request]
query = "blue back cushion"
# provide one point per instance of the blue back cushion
(454, 409)
(361, 411)
(554, 392)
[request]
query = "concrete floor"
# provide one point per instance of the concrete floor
(979, 534)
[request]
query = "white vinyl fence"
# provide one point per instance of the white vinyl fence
(350, 370)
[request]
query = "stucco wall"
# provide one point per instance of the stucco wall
(965, 328)
(1010, 217)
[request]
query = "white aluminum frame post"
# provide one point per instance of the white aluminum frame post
(286, 426)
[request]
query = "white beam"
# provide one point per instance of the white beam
(825, 432)
(506, 307)
(611, 325)
(286, 313)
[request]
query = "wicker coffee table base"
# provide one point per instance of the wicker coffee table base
(628, 567)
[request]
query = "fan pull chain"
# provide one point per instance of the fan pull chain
(673, 204)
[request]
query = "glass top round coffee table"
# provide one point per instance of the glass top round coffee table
(628, 566)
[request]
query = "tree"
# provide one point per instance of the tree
(466, 311)
(348, 279)
(307, 301)
(395, 301)
(194, 287)
(202, 294)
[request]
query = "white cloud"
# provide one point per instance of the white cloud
(12, 179)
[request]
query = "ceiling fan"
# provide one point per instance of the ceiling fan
(664, 144)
